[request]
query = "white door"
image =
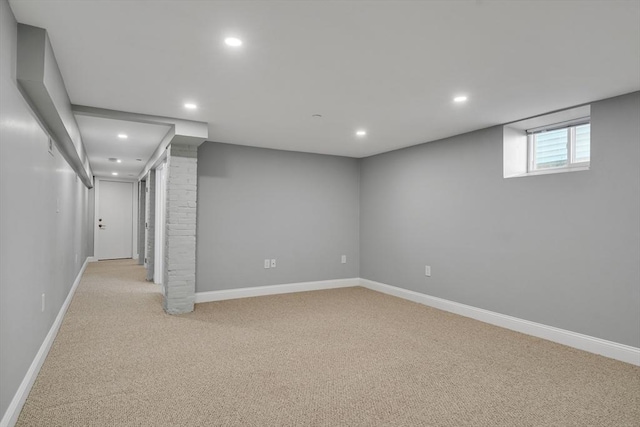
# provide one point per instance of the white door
(114, 233)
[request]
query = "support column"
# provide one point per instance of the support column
(180, 234)
(150, 221)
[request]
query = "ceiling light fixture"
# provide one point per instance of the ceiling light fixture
(123, 136)
(233, 41)
(461, 98)
(114, 173)
(361, 133)
(118, 161)
(190, 106)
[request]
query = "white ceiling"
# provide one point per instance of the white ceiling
(100, 138)
(391, 67)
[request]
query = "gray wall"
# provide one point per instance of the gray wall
(560, 249)
(253, 203)
(39, 245)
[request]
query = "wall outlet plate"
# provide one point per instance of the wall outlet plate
(267, 263)
(344, 259)
(427, 270)
(273, 263)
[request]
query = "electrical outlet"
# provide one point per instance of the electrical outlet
(43, 303)
(267, 263)
(427, 270)
(344, 259)
(273, 263)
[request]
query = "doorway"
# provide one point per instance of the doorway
(160, 224)
(114, 229)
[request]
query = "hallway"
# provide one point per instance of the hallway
(109, 329)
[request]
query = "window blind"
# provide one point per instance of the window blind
(550, 149)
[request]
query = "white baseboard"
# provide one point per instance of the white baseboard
(92, 259)
(588, 343)
(275, 289)
(599, 346)
(10, 417)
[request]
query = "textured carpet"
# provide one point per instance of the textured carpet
(338, 357)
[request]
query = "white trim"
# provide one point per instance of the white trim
(554, 170)
(134, 221)
(160, 224)
(10, 417)
(588, 343)
(275, 289)
(96, 214)
(92, 259)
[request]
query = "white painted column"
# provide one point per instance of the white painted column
(180, 234)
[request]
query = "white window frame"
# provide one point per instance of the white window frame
(571, 147)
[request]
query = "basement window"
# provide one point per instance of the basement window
(551, 143)
(566, 146)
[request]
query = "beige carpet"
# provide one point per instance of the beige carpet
(338, 357)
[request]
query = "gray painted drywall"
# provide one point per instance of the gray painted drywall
(45, 222)
(300, 209)
(560, 249)
(40, 81)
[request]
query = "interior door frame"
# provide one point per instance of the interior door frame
(160, 222)
(134, 215)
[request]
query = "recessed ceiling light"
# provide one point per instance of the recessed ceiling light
(118, 161)
(316, 116)
(461, 98)
(361, 132)
(123, 136)
(233, 41)
(190, 106)
(138, 160)
(114, 173)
